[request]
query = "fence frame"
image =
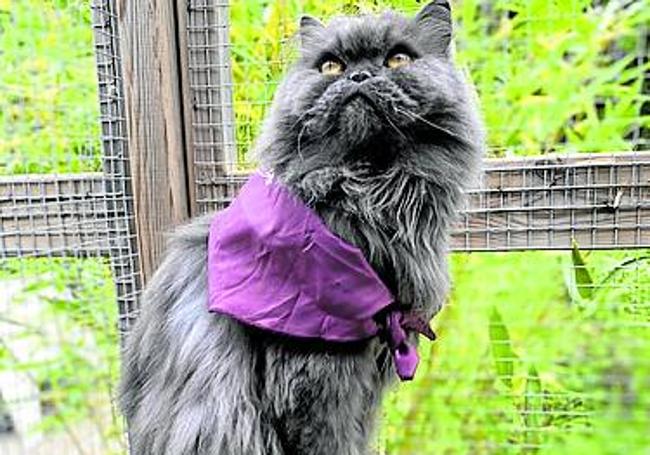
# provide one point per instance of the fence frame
(167, 119)
(174, 106)
(499, 217)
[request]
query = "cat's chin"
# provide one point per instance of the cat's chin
(359, 124)
(359, 100)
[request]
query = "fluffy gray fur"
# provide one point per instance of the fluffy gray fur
(384, 161)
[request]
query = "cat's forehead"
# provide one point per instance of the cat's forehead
(355, 38)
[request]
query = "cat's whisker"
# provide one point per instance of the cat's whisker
(299, 119)
(302, 131)
(435, 126)
(309, 140)
(390, 122)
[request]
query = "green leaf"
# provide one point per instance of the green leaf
(504, 356)
(584, 282)
(533, 400)
(533, 406)
(621, 267)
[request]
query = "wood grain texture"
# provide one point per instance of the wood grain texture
(182, 17)
(150, 57)
(601, 201)
(54, 215)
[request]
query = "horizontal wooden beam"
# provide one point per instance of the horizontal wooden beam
(54, 215)
(601, 201)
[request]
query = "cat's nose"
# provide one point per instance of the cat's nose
(359, 76)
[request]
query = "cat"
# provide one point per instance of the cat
(376, 130)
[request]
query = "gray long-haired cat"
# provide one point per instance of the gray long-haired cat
(376, 130)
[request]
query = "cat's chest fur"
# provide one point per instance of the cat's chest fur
(402, 240)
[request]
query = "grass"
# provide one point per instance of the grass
(62, 317)
(538, 352)
(525, 364)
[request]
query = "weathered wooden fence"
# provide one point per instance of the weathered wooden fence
(602, 201)
(169, 153)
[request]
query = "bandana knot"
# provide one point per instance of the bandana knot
(405, 355)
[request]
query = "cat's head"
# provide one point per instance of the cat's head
(376, 94)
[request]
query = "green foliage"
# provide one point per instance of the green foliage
(504, 356)
(556, 75)
(48, 89)
(584, 283)
(67, 343)
(552, 75)
(520, 367)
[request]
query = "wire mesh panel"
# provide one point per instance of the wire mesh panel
(599, 201)
(571, 93)
(116, 164)
(539, 351)
(211, 91)
(588, 97)
(66, 239)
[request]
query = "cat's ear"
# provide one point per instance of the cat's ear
(310, 29)
(307, 22)
(435, 24)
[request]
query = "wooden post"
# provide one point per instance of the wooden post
(150, 56)
(182, 13)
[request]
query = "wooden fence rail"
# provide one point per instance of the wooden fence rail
(54, 215)
(601, 201)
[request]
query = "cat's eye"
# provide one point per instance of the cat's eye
(331, 67)
(398, 60)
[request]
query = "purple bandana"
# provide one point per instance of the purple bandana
(273, 264)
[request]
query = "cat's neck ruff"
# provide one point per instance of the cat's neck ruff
(273, 264)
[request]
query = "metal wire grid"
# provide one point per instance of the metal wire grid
(213, 123)
(120, 210)
(53, 215)
(546, 203)
(598, 201)
(522, 204)
(63, 230)
(40, 97)
(563, 368)
(46, 214)
(83, 214)
(273, 62)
